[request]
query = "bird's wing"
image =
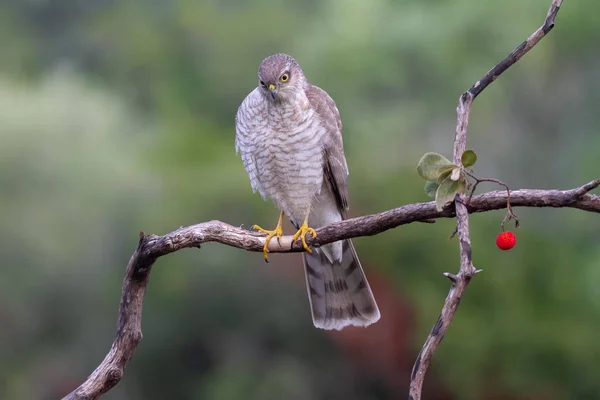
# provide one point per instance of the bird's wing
(335, 167)
(338, 290)
(247, 126)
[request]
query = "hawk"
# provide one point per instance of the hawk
(289, 134)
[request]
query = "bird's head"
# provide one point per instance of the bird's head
(280, 78)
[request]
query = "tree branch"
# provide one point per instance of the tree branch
(467, 270)
(151, 247)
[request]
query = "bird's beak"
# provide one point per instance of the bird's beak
(273, 90)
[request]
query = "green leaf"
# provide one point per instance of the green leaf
(431, 187)
(433, 165)
(445, 174)
(446, 193)
(469, 158)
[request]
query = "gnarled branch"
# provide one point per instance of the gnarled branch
(151, 247)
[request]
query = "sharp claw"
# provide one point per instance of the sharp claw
(266, 248)
(301, 234)
(305, 245)
(277, 232)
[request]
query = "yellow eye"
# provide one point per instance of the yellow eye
(285, 77)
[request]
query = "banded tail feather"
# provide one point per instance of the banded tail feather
(338, 291)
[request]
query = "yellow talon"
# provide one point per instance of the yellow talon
(304, 229)
(277, 232)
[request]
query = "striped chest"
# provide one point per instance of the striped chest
(289, 157)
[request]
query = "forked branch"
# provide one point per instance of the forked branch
(151, 247)
(460, 281)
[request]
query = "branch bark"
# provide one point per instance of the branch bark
(151, 247)
(460, 281)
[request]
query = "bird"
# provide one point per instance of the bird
(289, 136)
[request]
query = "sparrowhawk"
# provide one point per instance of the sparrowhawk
(289, 134)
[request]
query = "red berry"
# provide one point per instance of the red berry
(506, 240)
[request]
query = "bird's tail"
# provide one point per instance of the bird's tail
(338, 291)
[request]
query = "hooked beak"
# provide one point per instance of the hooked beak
(273, 90)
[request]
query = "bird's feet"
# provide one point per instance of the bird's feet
(277, 232)
(304, 229)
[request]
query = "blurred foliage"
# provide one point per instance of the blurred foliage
(117, 117)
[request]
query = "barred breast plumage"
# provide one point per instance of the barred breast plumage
(289, 135)
(284, 143)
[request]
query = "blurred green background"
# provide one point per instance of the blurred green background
(118, 116)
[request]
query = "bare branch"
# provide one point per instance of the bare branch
(129, 327)
(519, 52)
(467, 270)
(151, 247)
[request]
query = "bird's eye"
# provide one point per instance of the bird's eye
(262, 84)
(285, 77)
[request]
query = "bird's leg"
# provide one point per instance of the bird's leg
(304, 229)
(277, 232)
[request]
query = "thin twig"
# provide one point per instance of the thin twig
(510, 214)
(588, 187)
(467, 270)
(479, 180)
(518, 52)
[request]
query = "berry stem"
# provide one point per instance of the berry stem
(509, 211)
